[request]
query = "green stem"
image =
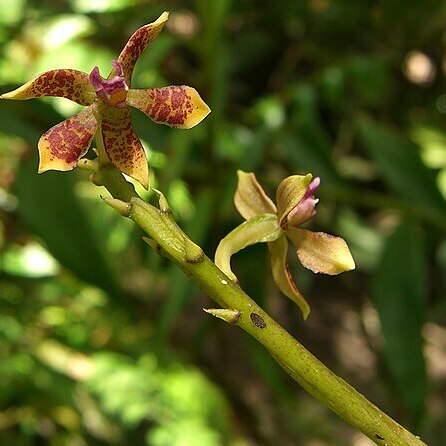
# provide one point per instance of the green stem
(167, 238)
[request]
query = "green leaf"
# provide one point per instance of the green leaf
(399, 294)
(400, 164)
(306, 149)
(49, 207)
(307, 143)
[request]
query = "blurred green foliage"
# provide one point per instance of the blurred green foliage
(102, 342)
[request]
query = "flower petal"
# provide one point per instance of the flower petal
(61, 147)
(262, 228)
(282, 275)
(250, 199)
(176, 106)
(290, 192)
(321, 252)
(69, 84)
(122, 145)
(137, 44)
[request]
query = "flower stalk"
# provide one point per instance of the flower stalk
(168, 239)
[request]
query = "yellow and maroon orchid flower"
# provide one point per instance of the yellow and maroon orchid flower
(108, 101)
(296, 204)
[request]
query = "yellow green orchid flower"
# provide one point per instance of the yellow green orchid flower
(296, 204)
(108, 101)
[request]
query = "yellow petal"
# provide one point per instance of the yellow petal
(282, 276)
(176, 106)
(137, 44)
(250, 199)
(262, 228)
(289, 193)
(321, 252)
(122, 145)
(69, 84)
(61, 147)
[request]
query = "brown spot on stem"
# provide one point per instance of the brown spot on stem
(258, 320)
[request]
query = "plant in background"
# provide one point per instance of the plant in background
(107, 119)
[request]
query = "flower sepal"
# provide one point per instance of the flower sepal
(290, 193)
(278, 250)
(321, 252)
(176, 106)
(259, 229)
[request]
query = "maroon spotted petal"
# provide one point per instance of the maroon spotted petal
(61, 147)
(137, 44)
(122, 145)
(69, 84)
(176, 106)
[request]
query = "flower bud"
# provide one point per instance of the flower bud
(306, 208)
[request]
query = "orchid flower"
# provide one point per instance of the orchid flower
(296, 204)
(108, 112)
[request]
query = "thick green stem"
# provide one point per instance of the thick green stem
(167, 238)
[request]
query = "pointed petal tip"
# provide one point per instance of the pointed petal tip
(65, 83)
(177, 106)
(349, 263)
(145, 182)
(13, 94)
(138, 42)
(141, 176)
(163, 17)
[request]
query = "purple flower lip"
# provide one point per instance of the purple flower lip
(306, 208)
(113, 91)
